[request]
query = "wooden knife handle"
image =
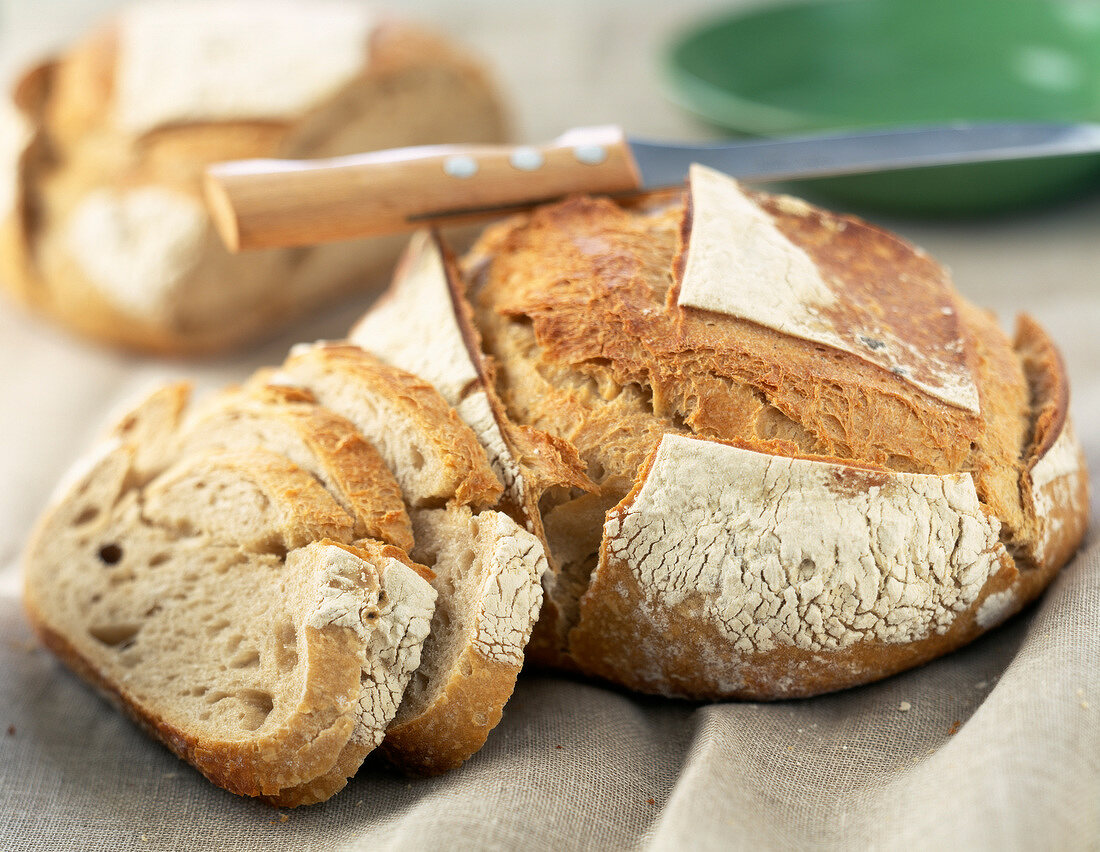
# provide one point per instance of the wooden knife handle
(268, 203)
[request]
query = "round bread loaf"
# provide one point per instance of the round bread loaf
(102, 223)
(771, 450)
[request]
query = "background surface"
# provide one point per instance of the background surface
(1000, 747)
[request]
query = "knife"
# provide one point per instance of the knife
(268, 203)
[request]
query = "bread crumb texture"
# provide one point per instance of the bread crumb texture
(219, 591)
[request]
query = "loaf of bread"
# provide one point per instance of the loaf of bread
(102, 223)
(772, 452)
(237, 575)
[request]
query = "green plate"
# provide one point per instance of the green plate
(848, 64)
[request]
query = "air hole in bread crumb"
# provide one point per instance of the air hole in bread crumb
(416, 458)
(110, 554)
(466, 668)
(245, 659)
(217, 627)
(87, 516)
(158, 559)
(286, 646)
(215, 697)
(114, 635)
(256, 706)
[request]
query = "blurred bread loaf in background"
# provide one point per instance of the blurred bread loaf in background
(102, 225)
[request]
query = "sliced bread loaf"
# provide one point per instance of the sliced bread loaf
(212, 592)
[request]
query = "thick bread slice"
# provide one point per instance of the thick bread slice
(324, 444)
(488, 569)
(205, 594)
(255, 499)
(433, 454)
(427, 301)
(400, 618)
(487, 573)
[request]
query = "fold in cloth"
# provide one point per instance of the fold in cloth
(995, 746)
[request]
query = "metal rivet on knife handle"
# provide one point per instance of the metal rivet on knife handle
(460, 167)
(271, 203)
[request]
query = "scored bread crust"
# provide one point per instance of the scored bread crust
(319, 657)
(595, 324)
(94, 205)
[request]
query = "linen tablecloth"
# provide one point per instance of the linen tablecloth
(999, 747)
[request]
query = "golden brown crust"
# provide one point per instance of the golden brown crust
(1058, 508)
(576, 305)
(459, 720)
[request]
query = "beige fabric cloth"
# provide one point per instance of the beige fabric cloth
(575, 765)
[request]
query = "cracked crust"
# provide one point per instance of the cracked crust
(106, 231)
(576, 318)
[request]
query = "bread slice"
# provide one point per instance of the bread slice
(487, 568)
(432, 453)
(214, 594)
(488, 573)
(427, 302)
(320, 442)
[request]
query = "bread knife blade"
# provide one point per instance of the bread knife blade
(269, 203)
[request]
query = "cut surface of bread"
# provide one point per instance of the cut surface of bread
(101, 211)
(214, 592)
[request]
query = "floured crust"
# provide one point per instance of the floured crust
(105, 228)
(579, 310)
(764, 552)
(762, 260)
